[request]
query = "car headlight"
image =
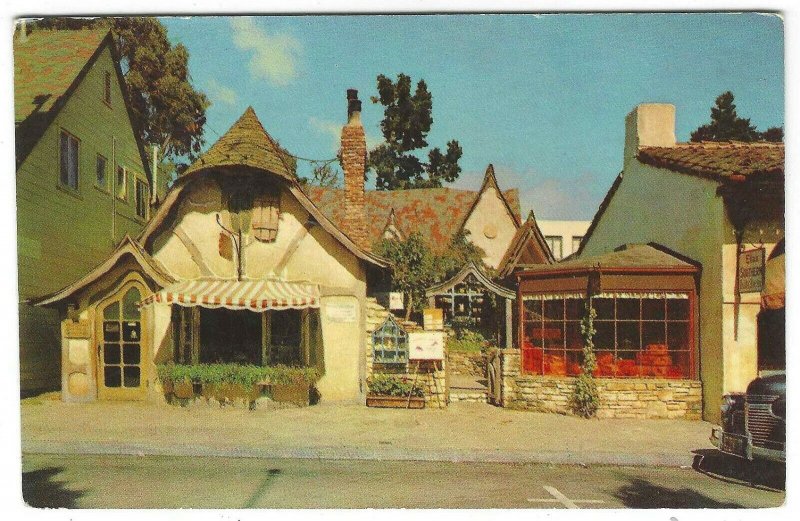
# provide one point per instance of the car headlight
(779, 407)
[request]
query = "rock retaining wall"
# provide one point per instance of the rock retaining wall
(469, 364)
(619, 398)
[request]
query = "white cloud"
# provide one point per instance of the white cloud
(327, 127)
(274, 56)
(219, 93)
(334, 130)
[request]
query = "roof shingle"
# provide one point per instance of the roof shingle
(437, 213)
(246, 143)
(718, 160)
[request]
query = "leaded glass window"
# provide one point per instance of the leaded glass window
(390, 343)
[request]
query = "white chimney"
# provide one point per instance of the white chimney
(649, 125)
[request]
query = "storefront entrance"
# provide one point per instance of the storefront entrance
(121, 372)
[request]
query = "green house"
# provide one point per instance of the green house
(83, 180)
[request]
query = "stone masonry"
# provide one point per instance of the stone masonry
(432, 378)
(619, 398)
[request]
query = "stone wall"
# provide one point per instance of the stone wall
(430, 376)
(619, 398)
(469, 364)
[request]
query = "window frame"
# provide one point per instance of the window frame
(70, 138)
(107, 88)
(145, 204)
(576, 242)
(549, 238)
(122, 195)
(681, 359)
(104, 185)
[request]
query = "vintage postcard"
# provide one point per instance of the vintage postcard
(452, 261)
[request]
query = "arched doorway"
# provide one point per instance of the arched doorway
(121, 359)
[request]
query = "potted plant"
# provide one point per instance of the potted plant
(394, 391)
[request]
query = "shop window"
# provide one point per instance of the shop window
(646, 335)
(230, 336)
(285, 337)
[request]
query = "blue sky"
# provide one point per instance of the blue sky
(543, 98)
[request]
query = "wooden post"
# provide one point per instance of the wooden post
(413, 385)
(509, 324)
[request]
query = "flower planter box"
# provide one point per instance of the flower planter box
(396, 402)
(183, 390)
(296, 393)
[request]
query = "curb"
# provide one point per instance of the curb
(359, 453)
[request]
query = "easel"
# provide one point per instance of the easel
(435, 383)
(413, 385)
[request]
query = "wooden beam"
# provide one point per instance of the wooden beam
(509, 322)
(294, 243)
(194, 252)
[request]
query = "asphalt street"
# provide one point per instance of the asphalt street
(87, 481)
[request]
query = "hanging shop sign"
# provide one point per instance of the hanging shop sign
(751, 270)
(426, 345)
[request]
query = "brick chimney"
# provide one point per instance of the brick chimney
(354, 164)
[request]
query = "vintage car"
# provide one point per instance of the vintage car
(754, 422)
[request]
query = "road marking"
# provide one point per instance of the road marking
(562, 499)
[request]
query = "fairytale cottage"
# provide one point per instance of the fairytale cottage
(237, 265)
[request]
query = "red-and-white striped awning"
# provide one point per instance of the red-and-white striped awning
(255, 295)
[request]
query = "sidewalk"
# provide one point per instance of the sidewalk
(462, 432)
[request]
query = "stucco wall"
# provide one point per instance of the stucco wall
(564, 229)
(490, 215)
(189, 248)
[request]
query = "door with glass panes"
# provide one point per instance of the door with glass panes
(121, 373)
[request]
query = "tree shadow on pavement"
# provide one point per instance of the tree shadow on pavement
(640, 493)
(730, 469)
(41, 490)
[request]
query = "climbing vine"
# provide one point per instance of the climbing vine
(585, 399)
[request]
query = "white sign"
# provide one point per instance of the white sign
(343, 312)
(396, 300)
(426, 345)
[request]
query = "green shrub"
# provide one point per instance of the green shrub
(467, 341)
(245, 375)
(391, 385)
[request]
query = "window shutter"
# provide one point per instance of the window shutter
(266, 213)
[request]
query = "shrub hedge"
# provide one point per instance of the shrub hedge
(246, 375)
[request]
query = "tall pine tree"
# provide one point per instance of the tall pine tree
(726, 125)
(406, 122)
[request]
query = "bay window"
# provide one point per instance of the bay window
(637, 334)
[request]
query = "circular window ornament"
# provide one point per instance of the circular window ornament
(490, 231)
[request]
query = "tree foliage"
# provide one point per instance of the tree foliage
(323, 175)
(726, 125)
(407, 119)
(165, 106)
(416, 266)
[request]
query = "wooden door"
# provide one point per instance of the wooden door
(121, 348)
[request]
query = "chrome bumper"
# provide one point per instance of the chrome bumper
(741, 446)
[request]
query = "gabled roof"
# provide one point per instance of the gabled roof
(247, 144)
(243, 146)
(127, 247)
(48, 67)
(490, 181)
(528, 247)
(720, 161)
(473, 270)
(645, 257)
(437, 213)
